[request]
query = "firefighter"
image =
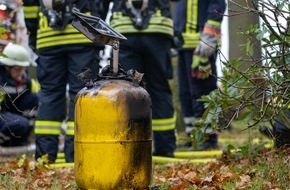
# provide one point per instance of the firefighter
(197, 32)
(18, 97)
(148, 27)
(63, 52)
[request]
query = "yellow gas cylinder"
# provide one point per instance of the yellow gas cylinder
(113, 141)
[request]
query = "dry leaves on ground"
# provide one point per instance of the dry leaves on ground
(269, 169)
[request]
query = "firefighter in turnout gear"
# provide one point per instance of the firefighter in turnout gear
(197, 32)
(148, 27)
(63, 52)
(18, 97)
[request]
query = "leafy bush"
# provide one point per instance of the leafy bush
(254, 90)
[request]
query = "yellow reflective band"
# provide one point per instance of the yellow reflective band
(158, 13)
(50, 123)
(44, 26)
(62, 40)
(190, 40)
(214, 23)
(152, 29)
(47, 127)
(45, 22)
(164, 21)
(31, 12)
(41, 21)
(71, 123)
(191, 14)
(162, 121)
(165, 124)
(117, 14)
(35, 86)
(70, 130)
(46, 32)
(157, 24)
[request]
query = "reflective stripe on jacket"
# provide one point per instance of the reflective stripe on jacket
(37, 24)
(160, 21)
(157, 24)
(48, 37)
(190, 17)
(31, 12)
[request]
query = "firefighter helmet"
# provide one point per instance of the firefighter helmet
(15, 55)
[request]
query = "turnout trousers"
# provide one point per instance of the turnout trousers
(16, 128)
(13, 124)
(191, 89)
(148, 54)
(57, 67)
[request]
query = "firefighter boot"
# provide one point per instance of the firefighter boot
(281, 135)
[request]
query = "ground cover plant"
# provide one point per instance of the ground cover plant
(251, 166)
(266, 169)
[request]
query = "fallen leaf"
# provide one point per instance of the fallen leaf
(244, 183)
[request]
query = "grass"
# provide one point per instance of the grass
(253, 167)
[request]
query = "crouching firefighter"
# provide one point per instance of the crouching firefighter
(18, 97)
(62, 54)
(148, 27)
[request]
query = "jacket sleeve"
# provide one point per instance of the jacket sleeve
(216, 10)
(31, 12)
(212, 26)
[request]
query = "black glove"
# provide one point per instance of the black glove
(177, 40)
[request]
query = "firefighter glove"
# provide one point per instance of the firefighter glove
(200, 67)
(178, 40)
(208, 39)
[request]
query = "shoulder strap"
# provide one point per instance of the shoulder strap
(67, 16)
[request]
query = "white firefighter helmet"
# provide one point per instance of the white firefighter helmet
(15, 55)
